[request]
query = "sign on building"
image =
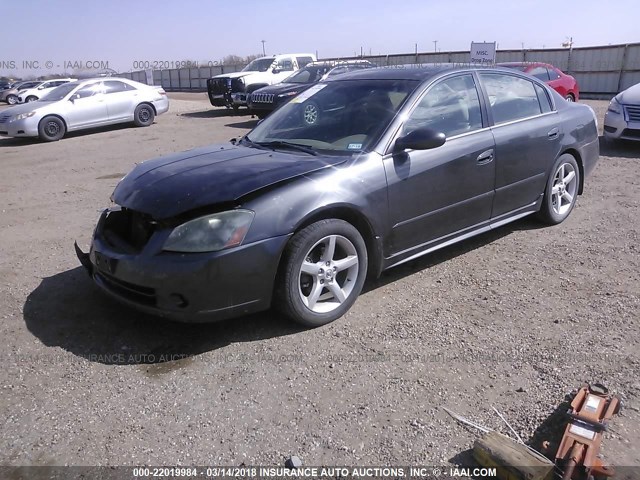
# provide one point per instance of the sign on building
(484, 53)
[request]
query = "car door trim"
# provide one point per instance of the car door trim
(456, 237)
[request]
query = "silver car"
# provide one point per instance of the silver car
(85, 104)
(622, 120)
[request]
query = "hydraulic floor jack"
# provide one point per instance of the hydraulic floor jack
(577, 455)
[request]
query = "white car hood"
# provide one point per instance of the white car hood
(630, 96)
(234, 74)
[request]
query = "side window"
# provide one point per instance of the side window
(88, 91)
(553, 75)
(286, 65)
(113, 86)
(541, 73)
(451, 106)
(303, 61)
(57, 84)
(511, 97)
(543, 98)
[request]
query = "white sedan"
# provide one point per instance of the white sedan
(40, 90)
(622, 120)
(85, 104)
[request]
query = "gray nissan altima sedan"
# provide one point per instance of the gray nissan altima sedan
(354, 176)
(84, 104)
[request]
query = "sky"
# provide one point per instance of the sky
(54, 36)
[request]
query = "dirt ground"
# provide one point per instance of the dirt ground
(515, 319)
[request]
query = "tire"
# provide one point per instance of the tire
(51, 129)
(561, 191)
(322, 273)
(12, 99)
(311, 113)
(30, 98)
(570, 98)
(143, 115)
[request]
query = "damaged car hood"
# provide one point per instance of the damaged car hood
(172, 185)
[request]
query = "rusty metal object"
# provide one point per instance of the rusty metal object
(591, 409)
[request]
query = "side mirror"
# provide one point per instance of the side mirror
(421, 139)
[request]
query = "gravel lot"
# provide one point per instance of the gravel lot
(515, 318)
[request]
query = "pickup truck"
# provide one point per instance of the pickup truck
(232, 89)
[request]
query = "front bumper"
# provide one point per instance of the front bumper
(616, 127)
(27, 127)
(195, 287)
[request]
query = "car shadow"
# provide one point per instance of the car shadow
(451, 252)
(245, 125)
(216, 113)
(20, 141)
(68, 311)
(619, 148)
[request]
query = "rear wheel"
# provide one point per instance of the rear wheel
(570, 98)
(143, 115)
(12, 99)
(31, 98)
(323, 271)
(51, 129)
(562, 190)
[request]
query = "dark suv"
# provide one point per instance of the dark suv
(266, 99)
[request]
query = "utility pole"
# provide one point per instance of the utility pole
(263, 51)
(435, 46)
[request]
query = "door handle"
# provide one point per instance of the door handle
(485, 157)
(553, 133)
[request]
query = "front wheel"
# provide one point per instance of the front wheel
(143, 115)
(561, 191)
(323, 271)
(12, 99)
(51, 129)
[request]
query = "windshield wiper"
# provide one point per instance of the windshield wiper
(293, 146)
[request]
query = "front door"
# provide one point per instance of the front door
(436, 193)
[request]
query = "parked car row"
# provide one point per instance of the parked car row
(266, 99)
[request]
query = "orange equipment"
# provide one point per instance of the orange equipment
(590, 410)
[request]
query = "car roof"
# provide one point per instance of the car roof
(524, 64)
(418, 72)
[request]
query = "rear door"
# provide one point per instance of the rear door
(527, 137)
(446, 190)
(121, 99)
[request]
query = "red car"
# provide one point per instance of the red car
(562, 83)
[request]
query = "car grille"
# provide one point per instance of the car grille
(237, 86)
(4, 118)
(633, 113)
(127, 231)
(262, 97)
(218, 86)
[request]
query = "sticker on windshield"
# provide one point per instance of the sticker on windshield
(308, 93)
(354, 146)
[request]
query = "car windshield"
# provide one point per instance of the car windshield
(58, 93)
(307, 75)
(259, 65)
(336, 117)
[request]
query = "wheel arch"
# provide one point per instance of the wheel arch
(361, 223)
(155, 112)
(66, 127)
(575, 154)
